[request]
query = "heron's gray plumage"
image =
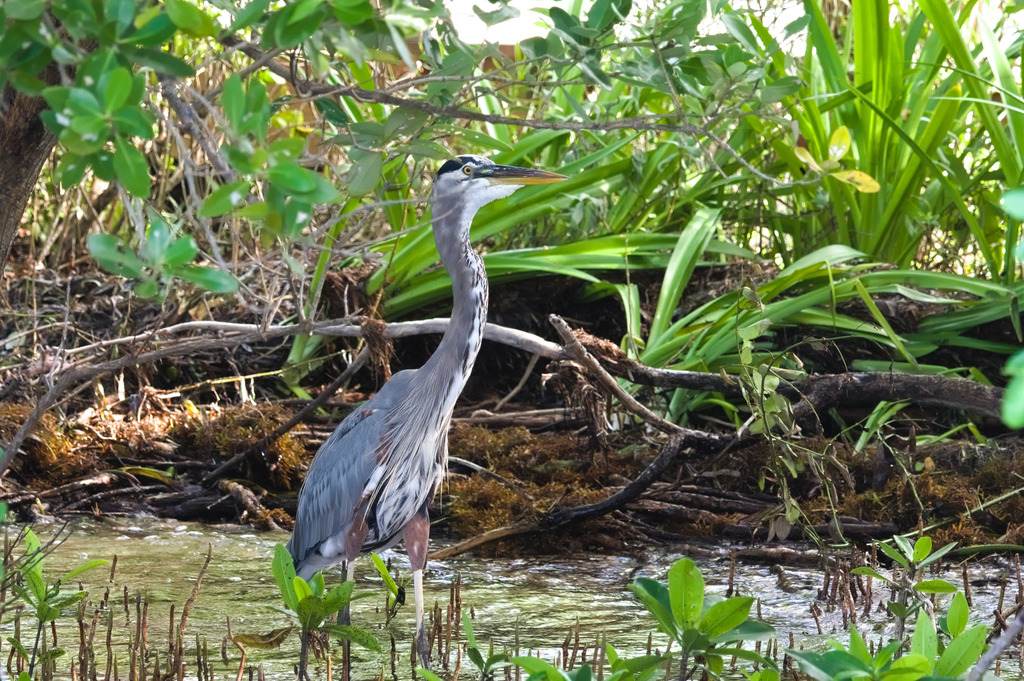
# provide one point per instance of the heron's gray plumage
(370, 482)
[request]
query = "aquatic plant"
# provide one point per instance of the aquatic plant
(707, 627)
(909, 585)
(927, 656)
(44, 599)
(313, 606)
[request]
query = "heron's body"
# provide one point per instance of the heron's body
(370, 483)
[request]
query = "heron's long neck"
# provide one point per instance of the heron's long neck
(452, 362)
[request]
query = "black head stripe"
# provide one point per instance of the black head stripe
(450, 166)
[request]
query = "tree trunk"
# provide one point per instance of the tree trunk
(25, 144)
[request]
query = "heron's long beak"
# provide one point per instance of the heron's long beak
(514, 175)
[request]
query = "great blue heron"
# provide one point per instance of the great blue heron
(371, 481)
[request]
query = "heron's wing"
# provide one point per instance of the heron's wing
(337, 478)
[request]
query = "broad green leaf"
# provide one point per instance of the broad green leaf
(182, 250)
(356, 635)
(158, 238)
(1013, 203)
(935, 586)
(284, 572)
(539, 669)
(292, 178)
(190, 18)
(311, 609)
(925, 642)
(232, 99)
(956, 617)
(365, 173)
(211, 279)
(382, 570)
(162, 62)
(480, 140)
(686, 593)
(338, 598)
(24, 10)
(111, 255)
(893, 554)
(224, 199)
(117, 89)
(724, 616)
(1013, 403)
(248, 15)
(131, 168)
(865, 570)
(922, 547)
(962, 652)
(655, 597)
(858, 648)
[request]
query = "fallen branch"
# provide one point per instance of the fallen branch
(818, 392)
(231, 335)
(254, 510)
(580, 354)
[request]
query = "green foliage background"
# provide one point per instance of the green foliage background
(843, 156)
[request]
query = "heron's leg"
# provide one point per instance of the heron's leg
(350, 576)
(416, 535)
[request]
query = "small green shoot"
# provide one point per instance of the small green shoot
(705, 627)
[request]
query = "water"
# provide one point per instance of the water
(541, 599)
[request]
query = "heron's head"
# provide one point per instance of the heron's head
(474, 181)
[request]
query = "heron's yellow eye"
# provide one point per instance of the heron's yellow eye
(466, 170)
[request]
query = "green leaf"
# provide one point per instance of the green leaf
(935, 586)
(111, 255)
(147, 289)
(211, 279)
(250, 14)
(117, 89)
(135, 121)
(962, 652)
(232, 99)
(356, 635)
(292, 178)
(131, 168)
(24, 10)
(922, 547)
(311, 609)
(893, 554)
(156, 31)
(686, 592)
(284, 573)
(338, 598)
(539, 669)
(725, 616)
(182, 250)
(158, 238)
(925, 642)
(655, 597)
(190, 18)
(382, 570)
(956, 617)
(71, 169)
(224, 199)
(479, 139)
(332, 112)
(1013, 203)
(162, 62)
(1013, 403)
(365, 173)
(865, 570)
